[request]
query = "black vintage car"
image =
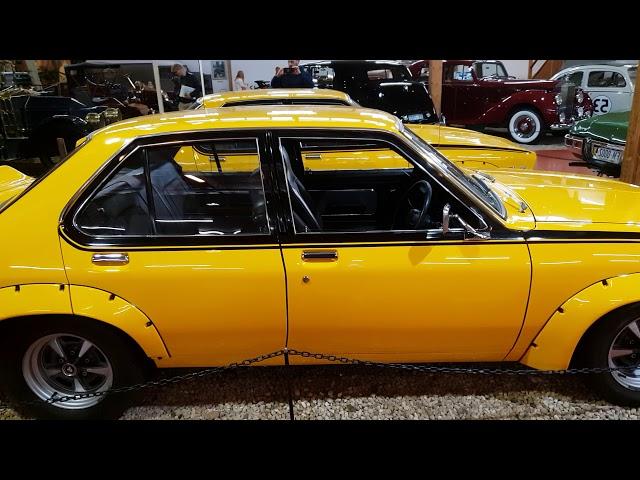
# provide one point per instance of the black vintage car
(384, 85)
(32, 122)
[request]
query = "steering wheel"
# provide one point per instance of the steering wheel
(413, 207)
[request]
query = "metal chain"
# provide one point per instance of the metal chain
(331, 358)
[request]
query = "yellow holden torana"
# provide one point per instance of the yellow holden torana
(466, 148)
(121, 258)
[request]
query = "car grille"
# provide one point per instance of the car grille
(568, 95)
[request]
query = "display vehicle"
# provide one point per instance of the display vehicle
(599, 141)
(121, 259)
(480, 93)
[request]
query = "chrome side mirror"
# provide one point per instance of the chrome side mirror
(443, 119)
(469, 230)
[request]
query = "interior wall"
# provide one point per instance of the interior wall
(517, 68)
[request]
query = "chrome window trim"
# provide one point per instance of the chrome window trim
(406, 157)
(79, 207)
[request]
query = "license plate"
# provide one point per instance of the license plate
(415, 117)
(606, 154)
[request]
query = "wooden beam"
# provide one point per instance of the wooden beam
(631, 159)
(435, 83)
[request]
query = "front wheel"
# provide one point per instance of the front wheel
(525, 126)
(615, 343)
(64, 358)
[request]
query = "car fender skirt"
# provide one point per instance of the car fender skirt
(554, 346)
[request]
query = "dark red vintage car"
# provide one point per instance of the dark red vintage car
(481, 93)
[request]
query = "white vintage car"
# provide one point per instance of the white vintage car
(609, 86)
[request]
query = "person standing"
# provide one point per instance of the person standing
(187, 86)
(239, 83)
(292, 77)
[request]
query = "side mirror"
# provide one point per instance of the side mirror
(443, 120)
(469, 230)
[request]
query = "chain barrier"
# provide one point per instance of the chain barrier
(523, 371)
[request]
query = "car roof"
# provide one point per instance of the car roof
(354, 63)
(592, 65)
(249, 117)
(219, 99)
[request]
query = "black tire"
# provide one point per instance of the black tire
(525, 116)
(595, 353)
(125, 364)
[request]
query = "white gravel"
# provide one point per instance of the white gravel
(357, 392)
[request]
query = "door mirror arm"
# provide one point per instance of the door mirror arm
(474, 233)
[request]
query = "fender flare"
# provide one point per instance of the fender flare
(555, 344)
(59, 299)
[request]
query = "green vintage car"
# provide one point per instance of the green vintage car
(599, 141)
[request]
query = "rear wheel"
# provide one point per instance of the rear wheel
(65, 358)
(525, 126)
(615, 343)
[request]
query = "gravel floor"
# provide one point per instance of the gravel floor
(358, 392)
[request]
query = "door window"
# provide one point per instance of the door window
(192, 189)
(574, 78)
(359, 185)
(458, 72)
(606, 79)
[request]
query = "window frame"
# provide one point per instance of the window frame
(70, 231)
(290, 236)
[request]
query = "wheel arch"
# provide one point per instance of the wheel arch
(558, 345)
(39, 302)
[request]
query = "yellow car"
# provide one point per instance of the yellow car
(464, 147)
(120, 258)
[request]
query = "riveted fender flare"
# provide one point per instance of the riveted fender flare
(60, 299)
(553, 347)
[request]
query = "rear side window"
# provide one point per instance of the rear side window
(191, 189)
(607, 79)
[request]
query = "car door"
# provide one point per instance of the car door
(370, 276)
(460, 102)
(193, 248)
(610, 90)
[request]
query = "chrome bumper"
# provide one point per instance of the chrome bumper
(574, 144)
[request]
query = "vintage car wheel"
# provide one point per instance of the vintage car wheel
(64, 358)
(525, 126)
(615, 343)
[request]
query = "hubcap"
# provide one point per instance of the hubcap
(625, 353)
(524, 126)
(62, 365)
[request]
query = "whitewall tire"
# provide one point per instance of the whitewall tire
(525, 126)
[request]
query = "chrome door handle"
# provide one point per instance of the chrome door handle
(313, 156)
(319, 255)
(110, 258)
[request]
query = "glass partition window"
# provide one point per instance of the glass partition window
(199, 188)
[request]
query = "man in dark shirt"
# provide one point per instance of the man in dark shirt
(292, 77)
(184, 77)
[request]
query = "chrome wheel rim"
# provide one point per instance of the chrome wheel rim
(63, 364)
(525, 126)
(624, 353)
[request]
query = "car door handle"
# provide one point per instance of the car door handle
(110, 258)
(319, 255)
(313, 156)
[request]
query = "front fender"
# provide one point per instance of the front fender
(553, 347)
(540, 99)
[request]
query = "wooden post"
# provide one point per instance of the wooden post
(631, 160)
(435, 83)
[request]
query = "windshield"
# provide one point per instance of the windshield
(633, 72)
(474, 183)
(490, 70)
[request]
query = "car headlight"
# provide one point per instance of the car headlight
(558, 99)
(94, 120)
(579, 97)
(112, 115)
